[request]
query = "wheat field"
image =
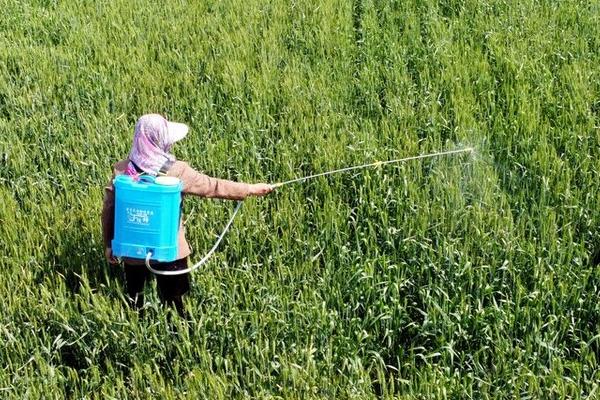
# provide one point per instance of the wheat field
(472, 276)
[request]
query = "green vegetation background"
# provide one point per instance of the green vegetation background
(450, 278)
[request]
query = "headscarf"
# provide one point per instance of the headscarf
(152, 141)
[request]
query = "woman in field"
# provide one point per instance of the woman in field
(151, 154)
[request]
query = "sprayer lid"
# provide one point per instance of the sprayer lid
(167, 180)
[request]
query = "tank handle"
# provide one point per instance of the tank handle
(147, 178)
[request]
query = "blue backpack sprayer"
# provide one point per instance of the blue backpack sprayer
(148, 212)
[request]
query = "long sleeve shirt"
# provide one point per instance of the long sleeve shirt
(194, 183)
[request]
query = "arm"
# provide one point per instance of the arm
(203, 185)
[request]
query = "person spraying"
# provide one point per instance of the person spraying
(151, 155)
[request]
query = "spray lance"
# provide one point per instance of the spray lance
(289, 182)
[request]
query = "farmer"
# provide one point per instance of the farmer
(151, 154)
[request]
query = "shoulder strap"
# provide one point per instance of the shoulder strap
(137, 169)
(166, 167)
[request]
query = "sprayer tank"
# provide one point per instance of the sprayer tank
(147, 213)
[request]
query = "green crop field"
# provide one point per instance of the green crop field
(466, 276)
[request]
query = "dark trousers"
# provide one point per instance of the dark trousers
(170, 288)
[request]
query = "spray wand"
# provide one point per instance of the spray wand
(302, 179)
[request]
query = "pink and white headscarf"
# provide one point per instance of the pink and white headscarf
(152, 142)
